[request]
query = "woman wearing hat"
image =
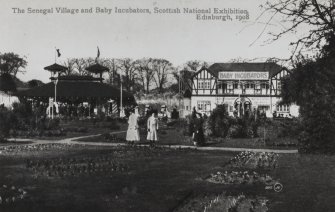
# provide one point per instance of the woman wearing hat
(152, 126)
(133, 134)
(198, 132)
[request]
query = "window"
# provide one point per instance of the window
(263, 108)
(235, 85)
(258, 89)
(283, 108)
(279, 85)
(230, 88)
(204, 105)
(221, 87)
(204, 84)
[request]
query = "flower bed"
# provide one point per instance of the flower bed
(146, 151)
(11, 194)
(17, 149)
(62, 167)
(240, 177)
(247, 159)
(218, 203)
(37, 133)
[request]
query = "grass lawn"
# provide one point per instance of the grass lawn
(155, 179)
(84, 128)
(174, 136)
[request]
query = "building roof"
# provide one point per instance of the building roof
(272, 68)
(82, 89)
(55, 68)
(78, 78)
(97, 68)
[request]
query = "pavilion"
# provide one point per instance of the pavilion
(77, 90)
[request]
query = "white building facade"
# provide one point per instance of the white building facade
(7, 100)
(241, 87)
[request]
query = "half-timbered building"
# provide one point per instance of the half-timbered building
(241, 87)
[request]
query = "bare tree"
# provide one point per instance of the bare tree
(145, 72)
(195, 65)
(316, 15)
(81, 64)
(162, 69)
(114, 66)
(129, 73)
(70, 65)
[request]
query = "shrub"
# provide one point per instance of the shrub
(8, 121)
(175, 114)
(219, 121)
(207, 127)
(52, 123)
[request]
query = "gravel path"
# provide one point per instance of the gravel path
(75, 141)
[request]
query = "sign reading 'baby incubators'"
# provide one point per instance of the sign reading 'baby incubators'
(234, 75)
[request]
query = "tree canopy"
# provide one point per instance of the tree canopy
(7, 83)
(315, 15)
(12, 63)
(312, 82)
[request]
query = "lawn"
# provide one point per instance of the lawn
(63, 177)
(75, 128)
(174, 136)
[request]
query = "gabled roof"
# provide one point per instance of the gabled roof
(272, 68)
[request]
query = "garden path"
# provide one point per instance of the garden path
(74, 140)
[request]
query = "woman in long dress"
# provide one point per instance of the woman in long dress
(198, 133)
(152, 125)
(133, 134)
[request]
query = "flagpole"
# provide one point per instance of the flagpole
(55, 55)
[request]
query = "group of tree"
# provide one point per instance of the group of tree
(10, 65)
(142, 75)
(312, 82)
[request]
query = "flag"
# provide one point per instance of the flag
(58, 53)
(98, 54)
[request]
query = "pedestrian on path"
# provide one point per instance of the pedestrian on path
(152, 126)
(133, 134)
(198, 132)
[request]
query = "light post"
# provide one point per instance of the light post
(55, 81)
(121, 106)
(180, 88)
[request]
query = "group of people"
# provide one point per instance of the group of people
(133, 134)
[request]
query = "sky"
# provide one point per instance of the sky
(175, 37)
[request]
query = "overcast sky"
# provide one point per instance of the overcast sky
(176, 37)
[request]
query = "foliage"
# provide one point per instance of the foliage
(219, 121)
(174, 114)
(34, 83)
(224, 202)
(11, 63)
(220, 124)
(7, 122)
(312, 87)
(7, 83)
